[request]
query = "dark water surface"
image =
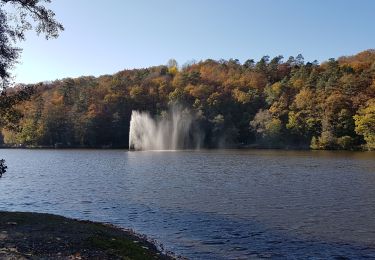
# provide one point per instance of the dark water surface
(230, 204)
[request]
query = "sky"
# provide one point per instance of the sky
(104, 37)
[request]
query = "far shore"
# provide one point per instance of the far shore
(28, 235)
(240, 147)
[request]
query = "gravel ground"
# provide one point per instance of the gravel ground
(44, 236)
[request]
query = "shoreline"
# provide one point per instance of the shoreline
(25, 235)
(246, 147)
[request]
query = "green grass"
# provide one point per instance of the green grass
(120, 247)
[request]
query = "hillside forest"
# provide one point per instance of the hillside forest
(270, 103)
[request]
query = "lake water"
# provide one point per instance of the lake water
(229, 204)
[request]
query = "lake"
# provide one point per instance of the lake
(209, 204)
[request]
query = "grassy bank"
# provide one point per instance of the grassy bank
(35, 235)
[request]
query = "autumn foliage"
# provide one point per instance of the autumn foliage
(269, 103)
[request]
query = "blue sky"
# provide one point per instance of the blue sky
(103, 37)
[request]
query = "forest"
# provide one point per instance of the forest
(270, 103)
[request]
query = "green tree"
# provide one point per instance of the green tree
(267, 127)
(365, 123)
(303, 117)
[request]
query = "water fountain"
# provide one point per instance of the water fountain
(171, 131)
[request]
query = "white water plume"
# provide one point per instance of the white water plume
(171, 131)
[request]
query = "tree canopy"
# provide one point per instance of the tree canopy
(17, 17)
(266, 103)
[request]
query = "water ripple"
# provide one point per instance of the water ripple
(209, 204)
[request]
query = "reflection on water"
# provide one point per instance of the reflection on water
(208, 204)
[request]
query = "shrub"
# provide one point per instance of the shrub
(3, 167)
